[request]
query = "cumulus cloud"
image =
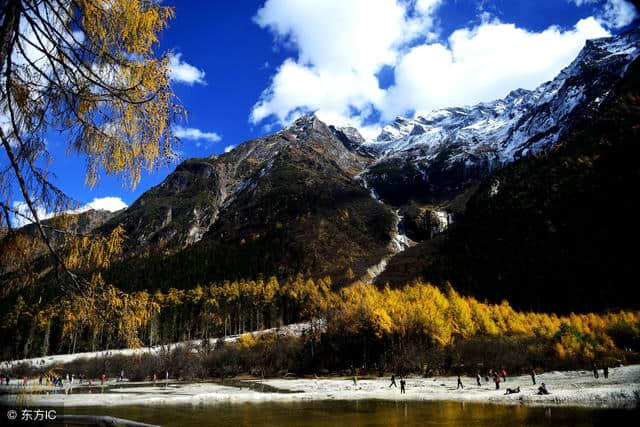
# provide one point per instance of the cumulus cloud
(619, 13)
(109, 203)
(614, 13)
(342, 46)
(482, 64)
(182, 72)
(197, 135)
(24, 217)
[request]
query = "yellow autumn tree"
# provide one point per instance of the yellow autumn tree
(89, 68)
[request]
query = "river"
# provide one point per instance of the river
(364, 413)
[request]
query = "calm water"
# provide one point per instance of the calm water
(366, 413)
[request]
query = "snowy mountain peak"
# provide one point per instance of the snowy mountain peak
(523, 122)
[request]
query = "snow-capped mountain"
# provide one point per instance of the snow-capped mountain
(490, 134)
(524, 119)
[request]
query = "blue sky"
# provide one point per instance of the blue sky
(244, 69)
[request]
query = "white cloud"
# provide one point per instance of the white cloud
(331, 33)
(614, 14)
(229, 148)
(109, 203)
(619, 13)
(182, 72)
(341, 46)
(194, 134)
(24, 217)
(482, 64)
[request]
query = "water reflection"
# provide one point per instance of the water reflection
(365, 413)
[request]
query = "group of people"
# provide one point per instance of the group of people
(403, 384)
(493, 373)
(60, 380)
(496, 375)
(499, 376)
(56, 380)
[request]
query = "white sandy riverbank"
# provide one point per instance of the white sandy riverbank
(575, 388)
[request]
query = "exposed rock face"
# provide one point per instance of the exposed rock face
(425, 222)
(184, 207)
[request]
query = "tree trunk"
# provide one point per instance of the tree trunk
(27, 343)
(8, 29)
(45, 340)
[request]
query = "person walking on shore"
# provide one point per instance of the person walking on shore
(605, 371)
(496, 380)
(393, 381)
(533, 376)
(478, 379)
(595, 370)
(503, 373)
(459, 383)
(403, 384)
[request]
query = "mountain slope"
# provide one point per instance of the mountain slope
(283, 204)
(555, 231)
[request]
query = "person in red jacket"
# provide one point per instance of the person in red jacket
(504, 374)
(496, 379)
